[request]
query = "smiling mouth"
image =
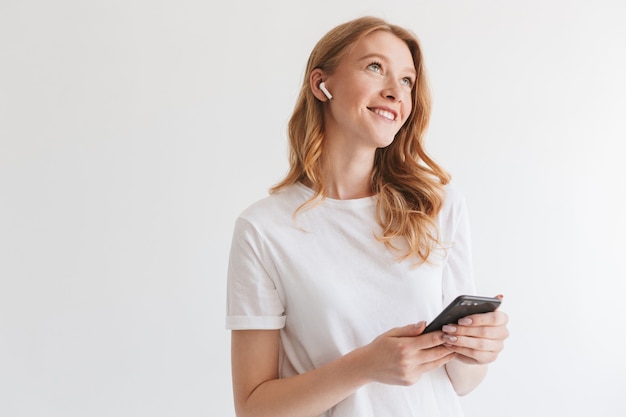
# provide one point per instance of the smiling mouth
(384, 113)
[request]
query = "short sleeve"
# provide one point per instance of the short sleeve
(252, 299)
(458, 274)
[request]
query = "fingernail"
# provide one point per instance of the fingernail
(448, 328)
(465, 321)
(420, 324)
(449, 338)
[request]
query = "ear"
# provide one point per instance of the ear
(316, 77)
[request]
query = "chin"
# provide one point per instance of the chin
(383, 143)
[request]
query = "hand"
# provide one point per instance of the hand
(479, 338)
(401, 355)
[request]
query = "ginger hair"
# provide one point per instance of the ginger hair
(408, 183)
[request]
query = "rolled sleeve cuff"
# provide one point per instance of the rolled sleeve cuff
(255, 323)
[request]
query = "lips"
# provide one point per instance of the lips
(383, 112)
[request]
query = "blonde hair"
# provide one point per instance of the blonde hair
(409, 184)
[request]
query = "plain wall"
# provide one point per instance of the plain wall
(132, 133)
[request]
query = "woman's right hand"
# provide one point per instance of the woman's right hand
(401, 355)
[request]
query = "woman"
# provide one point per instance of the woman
(363, 238)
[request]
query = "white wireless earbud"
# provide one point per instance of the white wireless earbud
(325, 90)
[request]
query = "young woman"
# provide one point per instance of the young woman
(332, 277)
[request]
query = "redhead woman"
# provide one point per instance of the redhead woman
(333, 276)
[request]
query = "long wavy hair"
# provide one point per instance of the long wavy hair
(408, 183)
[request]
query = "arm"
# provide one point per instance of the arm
(399, 357)
(477, 341)
(465, 377)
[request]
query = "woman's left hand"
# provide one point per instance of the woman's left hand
(479, 338)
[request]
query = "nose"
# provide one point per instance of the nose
(390, 95)
(392, 92)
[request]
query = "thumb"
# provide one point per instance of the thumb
(409, 330)
(499, 297)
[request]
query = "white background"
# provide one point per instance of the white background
(133, 132)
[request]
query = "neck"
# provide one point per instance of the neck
(348, 175)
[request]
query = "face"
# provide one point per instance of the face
(371, 90)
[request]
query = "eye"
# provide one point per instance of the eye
(407, 82)
(375, 66)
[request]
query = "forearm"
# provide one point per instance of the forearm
(308, 394)
(465, 377)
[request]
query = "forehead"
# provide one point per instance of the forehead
(384, 44)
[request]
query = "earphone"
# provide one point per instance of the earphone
(325, 90)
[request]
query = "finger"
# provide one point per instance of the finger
(474, 356)
(445, 357)
(410, 330)
(434, 354)
(485, 332)
(424, 341)
(495, 318)
(413, 339)
(428, 341)
(428, 359)
(474, 343)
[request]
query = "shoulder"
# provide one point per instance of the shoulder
(454, 199)
(453, 214)
(269, 220)
(279, 205)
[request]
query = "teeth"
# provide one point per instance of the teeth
(386, 114)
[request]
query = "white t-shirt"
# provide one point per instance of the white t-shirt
(324, 280)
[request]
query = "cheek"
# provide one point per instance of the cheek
(406, 111)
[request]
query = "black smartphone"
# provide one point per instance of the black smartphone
(462, 306)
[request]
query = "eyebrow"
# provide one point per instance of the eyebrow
(384, 58)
